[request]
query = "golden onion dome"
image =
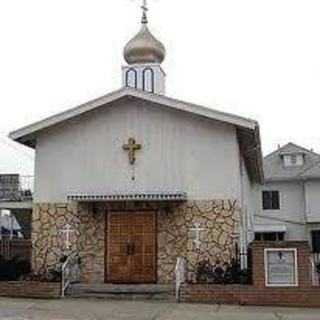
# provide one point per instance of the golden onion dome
(144, 48)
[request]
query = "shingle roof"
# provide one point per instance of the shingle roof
(311, 172)
(274, 169)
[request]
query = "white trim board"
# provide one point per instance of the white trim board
(266, 251)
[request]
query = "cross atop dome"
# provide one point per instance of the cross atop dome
(145, 9)
(144, 47)
(144, 55)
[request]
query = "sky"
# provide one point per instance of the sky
(255, 58)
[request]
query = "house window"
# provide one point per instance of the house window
(132, 78)
(148, 80)
(293, 160)
(315, 241)
(271, 200)
(269, 236)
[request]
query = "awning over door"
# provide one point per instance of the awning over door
(266, 228)
(120, 197)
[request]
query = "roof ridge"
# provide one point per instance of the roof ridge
(207, 112)
(276, 151)
(294, 145)
(304, 148)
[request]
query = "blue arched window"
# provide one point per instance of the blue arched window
(132, 78)
(148, 80)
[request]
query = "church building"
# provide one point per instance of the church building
(135, 179)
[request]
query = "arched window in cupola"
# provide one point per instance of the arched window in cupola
(132, 78)
(148, 80)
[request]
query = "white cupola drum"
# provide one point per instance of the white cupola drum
(144, 55)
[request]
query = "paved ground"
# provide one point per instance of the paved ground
(76, 309)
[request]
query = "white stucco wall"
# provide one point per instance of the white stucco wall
(180, 152)
(292, 209)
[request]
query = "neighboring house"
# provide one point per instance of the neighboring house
(16, 198)
(289, 201)
(135, 179)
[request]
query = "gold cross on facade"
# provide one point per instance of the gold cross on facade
(132, 147)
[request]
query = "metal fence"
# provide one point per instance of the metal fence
(15, 248)
(15, 236)
(316, 257)
(14, 187)
(315, 263)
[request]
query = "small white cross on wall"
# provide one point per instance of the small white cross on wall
(67, 231)
(197, 230)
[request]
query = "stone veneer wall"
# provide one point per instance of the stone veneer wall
(87, 239)
(219, 218)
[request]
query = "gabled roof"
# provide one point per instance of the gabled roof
(313, 172)
(248, 130)
(274, 169)
(292, 148)
(21, 134)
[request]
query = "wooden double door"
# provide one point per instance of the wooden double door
(131, 247)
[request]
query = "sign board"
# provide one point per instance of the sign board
(281, 268)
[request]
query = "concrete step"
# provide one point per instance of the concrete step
(126, 292)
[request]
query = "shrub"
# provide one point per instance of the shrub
(218, 273)
(13, 269)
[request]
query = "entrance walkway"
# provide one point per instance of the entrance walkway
(80, 309)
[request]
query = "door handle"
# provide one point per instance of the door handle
(130, 249)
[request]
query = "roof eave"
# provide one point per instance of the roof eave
(26, 135)
(291, 179)
(259, 155)
(250, 146)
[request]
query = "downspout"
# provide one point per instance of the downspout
(243, 221)
(305, 201)
(305, 209)
(259, 177)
